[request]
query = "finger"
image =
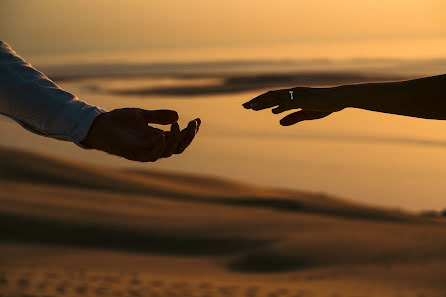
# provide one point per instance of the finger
(281, 109)
(266, 97)
(163, 117)
(198, 124)
(267, 100)
(173, 138)
(277, 98)
(302, 115)
(187, 135)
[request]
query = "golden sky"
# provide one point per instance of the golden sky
(41, 25)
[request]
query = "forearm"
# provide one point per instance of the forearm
(38, 104)
(422, 98)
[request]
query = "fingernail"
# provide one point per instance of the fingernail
(198, 121)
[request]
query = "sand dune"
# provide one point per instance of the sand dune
(35, 169)
(142, 228)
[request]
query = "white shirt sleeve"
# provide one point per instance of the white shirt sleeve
(38, 104)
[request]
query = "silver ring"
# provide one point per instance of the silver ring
(291, 94)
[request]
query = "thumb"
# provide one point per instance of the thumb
(163, 117)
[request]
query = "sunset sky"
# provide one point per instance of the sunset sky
(379, 158)
(53, 25)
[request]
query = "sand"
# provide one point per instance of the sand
(71, 229)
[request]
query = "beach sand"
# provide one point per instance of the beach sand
(72, 229)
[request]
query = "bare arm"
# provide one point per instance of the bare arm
(422, 98)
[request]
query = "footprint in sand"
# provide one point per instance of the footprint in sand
(42, 286)
(81, 290)
(252, 291)
(3, 281)
(101, 291)
(135, 282)
(228, 290)
(62, 288)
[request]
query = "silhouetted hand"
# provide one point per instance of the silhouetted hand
(125, 132)
(315, 103)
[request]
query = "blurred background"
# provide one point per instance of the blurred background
(204, 59)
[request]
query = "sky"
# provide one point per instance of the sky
(77, 26)
(79, 31)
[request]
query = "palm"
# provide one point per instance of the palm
(125, 132)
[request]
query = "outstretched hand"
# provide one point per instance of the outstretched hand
(315, 103)
(126, 133)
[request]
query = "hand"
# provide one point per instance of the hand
(315, 103)
(125, 132)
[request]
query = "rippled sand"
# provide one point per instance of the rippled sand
(70, 229)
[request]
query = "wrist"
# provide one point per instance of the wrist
(89, 139)
(345, 96)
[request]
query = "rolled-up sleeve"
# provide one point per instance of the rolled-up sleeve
(38, 104)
